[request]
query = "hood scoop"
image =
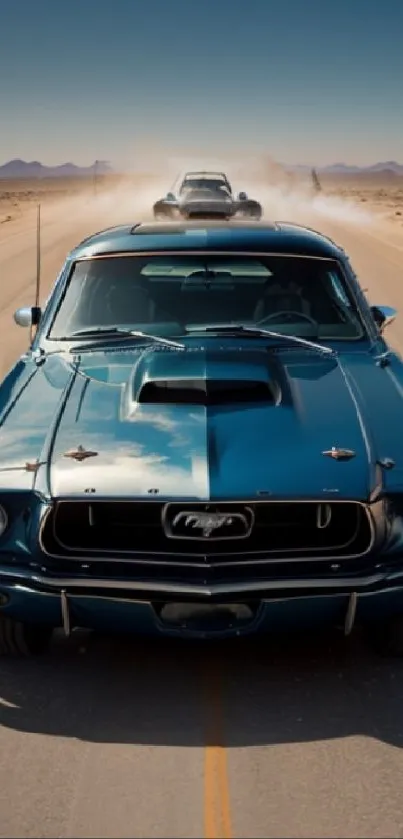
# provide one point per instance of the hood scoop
(201, 376)
(205, 391)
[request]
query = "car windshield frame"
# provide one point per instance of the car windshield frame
(49, 333)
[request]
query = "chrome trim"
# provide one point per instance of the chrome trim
(134, 559)
(23, 316)
(350, 614)
(194, 252)
(339, 454)
(134, 600)
(53, 305)
(352, 392)
(64, 603)
(323, 521)
(79, 453)
(205, 591)
(310, 229)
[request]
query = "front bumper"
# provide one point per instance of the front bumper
(128, 605)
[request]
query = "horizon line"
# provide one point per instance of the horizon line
(126, 167)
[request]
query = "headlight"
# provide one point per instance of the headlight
(3, 520)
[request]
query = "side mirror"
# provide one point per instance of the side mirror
(170, 196)
(27, 316)
(383, 316)
(242, 196)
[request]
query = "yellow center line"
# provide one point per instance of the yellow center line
(217, 810)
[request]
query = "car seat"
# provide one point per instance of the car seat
(282, 297)
(124, 302)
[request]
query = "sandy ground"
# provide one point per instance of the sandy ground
(121, 739)
(382, 200)
(377, 196)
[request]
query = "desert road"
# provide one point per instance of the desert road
(115, 738)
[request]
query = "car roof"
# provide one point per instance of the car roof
(241, 236)
(206, 174)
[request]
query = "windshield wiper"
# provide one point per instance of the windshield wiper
(116, 333)
(257, 332)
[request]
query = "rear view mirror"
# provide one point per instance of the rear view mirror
(242, 196)
(383, 316)
(27, 316)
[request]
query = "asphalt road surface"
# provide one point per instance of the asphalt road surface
(299, 737)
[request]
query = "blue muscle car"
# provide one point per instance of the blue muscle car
(203, 439)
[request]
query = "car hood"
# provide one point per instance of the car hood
(208, 423)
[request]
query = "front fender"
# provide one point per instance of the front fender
(250, 207)
(164, 208)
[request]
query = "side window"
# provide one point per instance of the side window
(338, 290)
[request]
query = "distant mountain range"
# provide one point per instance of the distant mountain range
(34, 169)
(390, 166)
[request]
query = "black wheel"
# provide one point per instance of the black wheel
(163, 214)
(23, 639)
(255, 213)
(386, 638)
(252, 213)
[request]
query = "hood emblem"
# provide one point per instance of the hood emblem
(208, 524)
(339, 454)
(80, 453)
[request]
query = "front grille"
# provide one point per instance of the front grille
(191, 534)
(207, 210)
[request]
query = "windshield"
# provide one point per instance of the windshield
(205, 193)
(203, 183)
(170, 294)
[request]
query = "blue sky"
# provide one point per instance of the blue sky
(303, 80)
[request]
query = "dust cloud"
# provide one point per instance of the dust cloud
(284, 194)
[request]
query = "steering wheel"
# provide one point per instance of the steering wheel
(289, 315)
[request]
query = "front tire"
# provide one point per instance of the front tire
(19, 639)
(252, 213)
(163, 214)
(255, 213)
